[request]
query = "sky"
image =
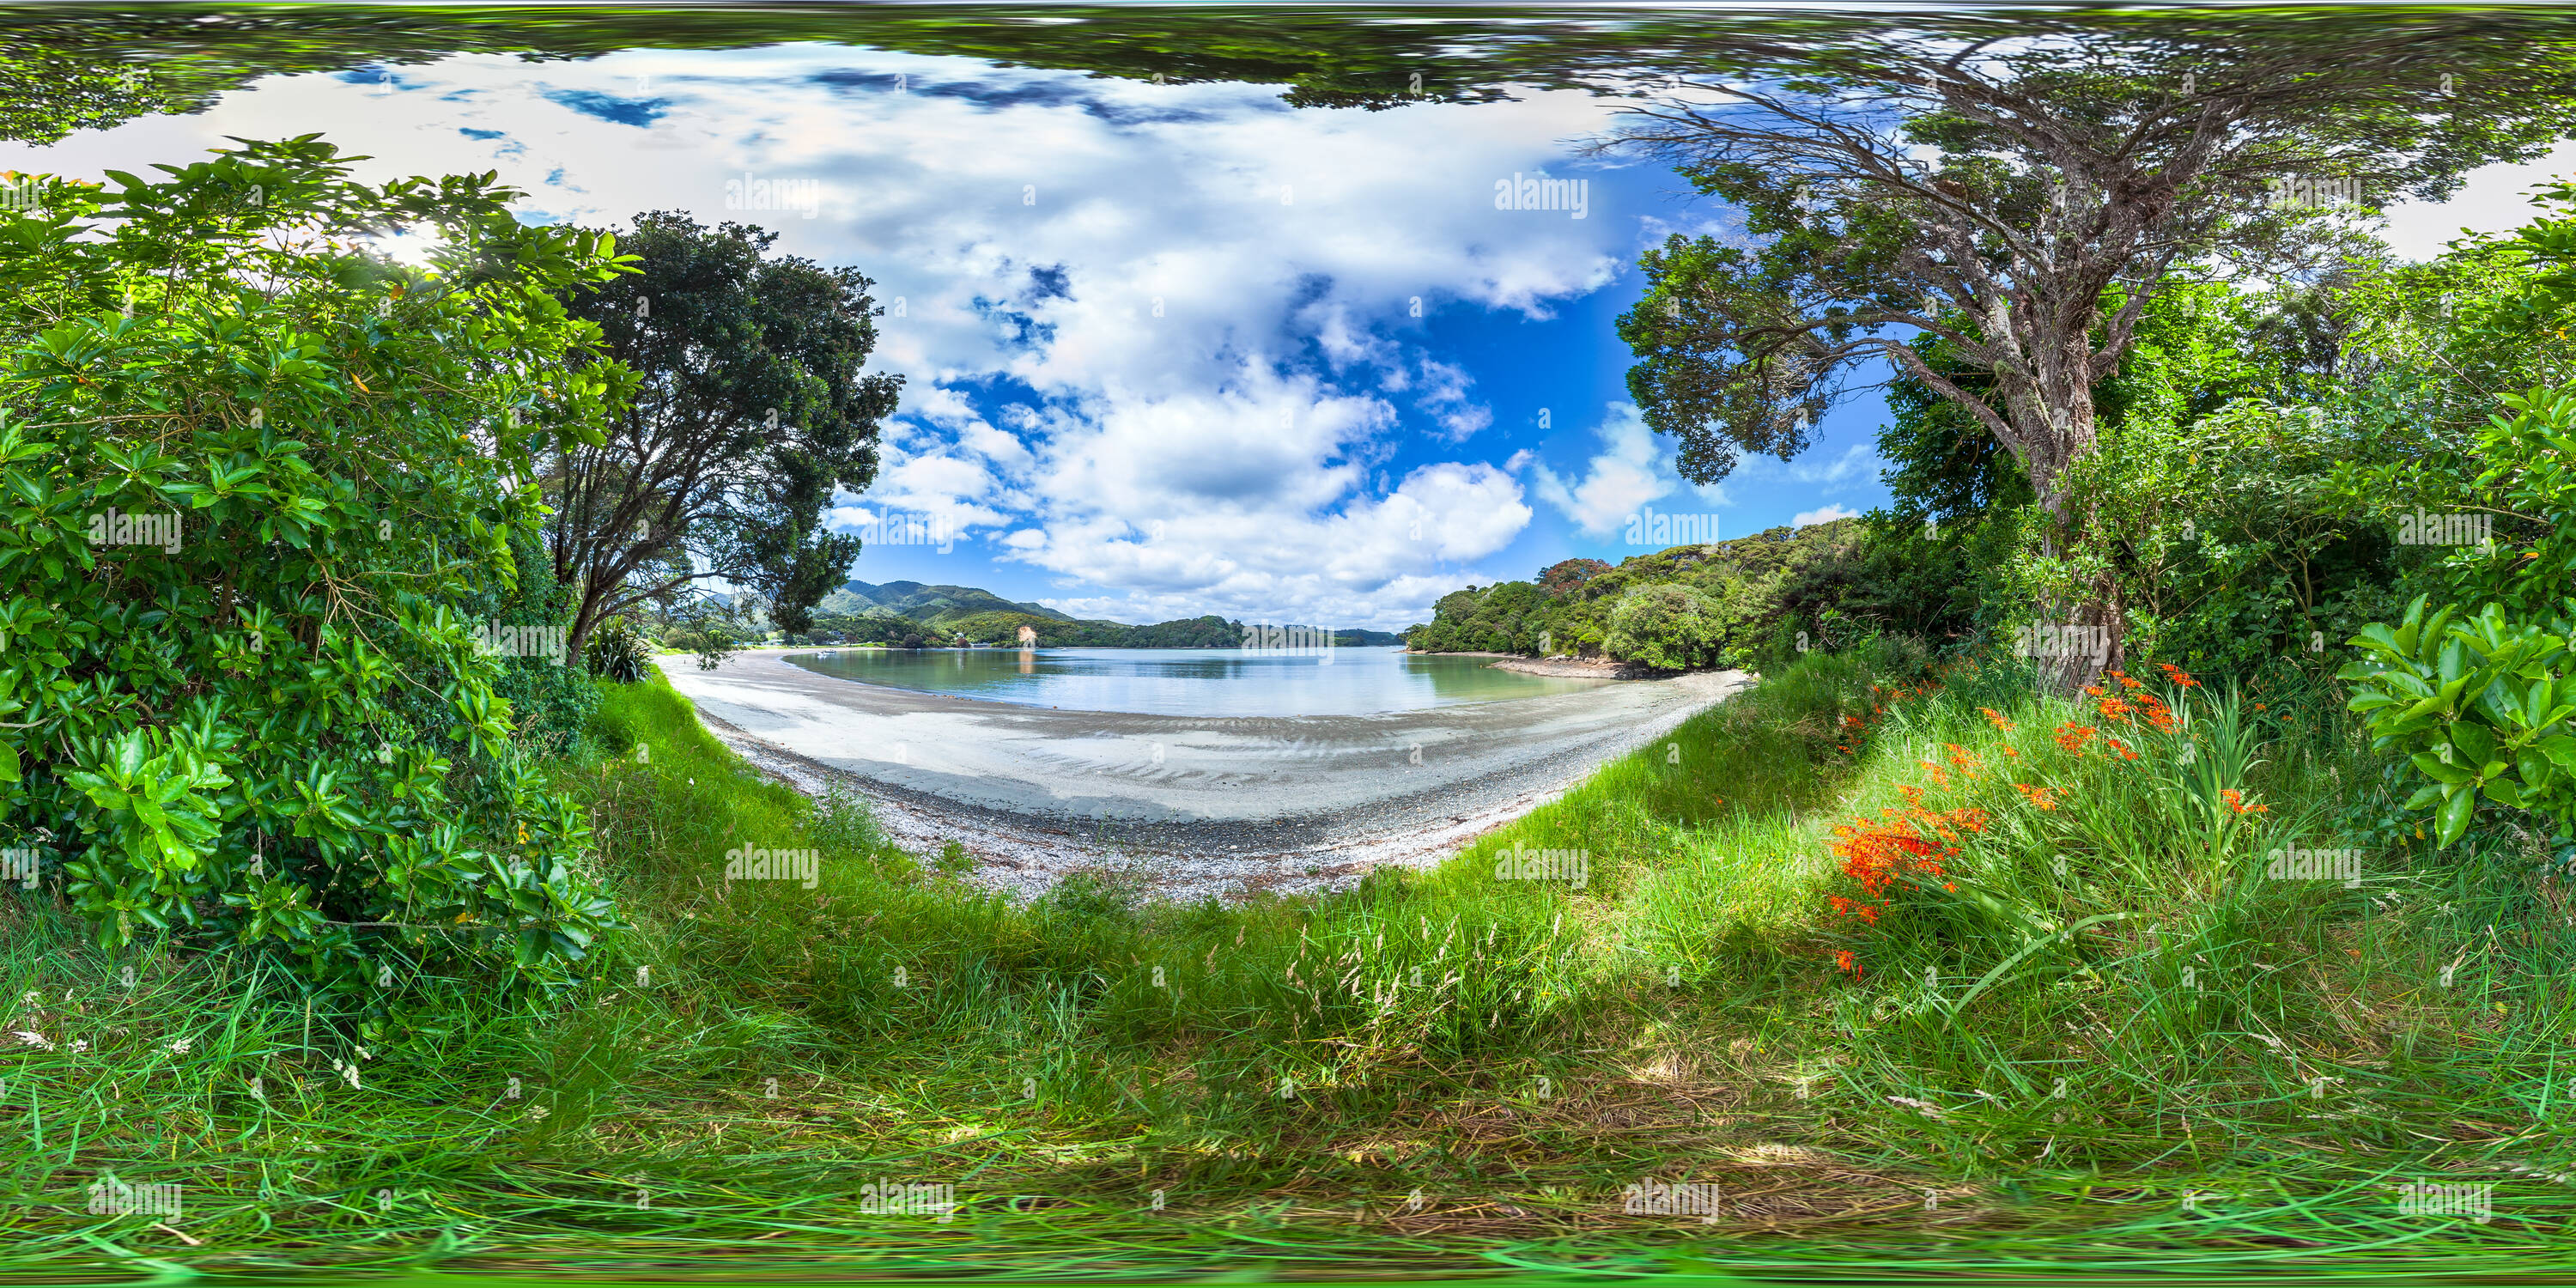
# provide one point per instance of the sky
(1168, 350)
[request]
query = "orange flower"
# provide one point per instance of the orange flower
(1844, 960)
(2180, 677)
(2159, 716)
(2127, 683)
(2115, 709)
(2093, 690)
(2012, 753)
(2120, 747)
(2237, 803)
(1997, 720)
(2073, 736)
(2038, 796)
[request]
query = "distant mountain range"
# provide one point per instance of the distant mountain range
(925, 604)
(902, 607)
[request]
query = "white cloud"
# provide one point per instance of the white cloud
(1630, 471)
(1155, 376)
(1827, 515)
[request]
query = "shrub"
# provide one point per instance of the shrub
(1666, 625)
(617, 652)
(272, 722)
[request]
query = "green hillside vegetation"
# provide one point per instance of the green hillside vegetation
(930, 604)
(1727, 603)
(910, 614)
(947, 628)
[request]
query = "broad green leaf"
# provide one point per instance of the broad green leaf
(2454, 818)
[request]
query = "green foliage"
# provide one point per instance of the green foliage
(2478, 705)
(550, 698)
(1747, 595)
(756, 407)
(1665, 625)
(617, 651)
(271, 722)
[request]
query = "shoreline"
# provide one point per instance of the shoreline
(1565, 668)
(1190, 807)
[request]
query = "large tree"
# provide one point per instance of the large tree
(751, 410)
(2022, 195)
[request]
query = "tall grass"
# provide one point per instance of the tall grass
(2111, 1006)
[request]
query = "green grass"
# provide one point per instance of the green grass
(1437, 1071)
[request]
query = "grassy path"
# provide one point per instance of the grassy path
(2098, 1035)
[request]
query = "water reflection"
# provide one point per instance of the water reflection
(1193, 682)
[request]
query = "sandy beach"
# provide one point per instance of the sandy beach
(1191, 806)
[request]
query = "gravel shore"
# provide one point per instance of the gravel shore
(1192, 807)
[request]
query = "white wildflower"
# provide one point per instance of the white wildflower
(36, 1040)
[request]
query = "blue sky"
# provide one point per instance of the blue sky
(1161, 343)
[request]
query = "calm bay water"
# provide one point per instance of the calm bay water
(1192, 682)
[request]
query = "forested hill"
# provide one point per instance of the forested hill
(1723, 603)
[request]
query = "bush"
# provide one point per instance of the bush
(617, 652)
(550, 698)
(1668, 626)
(271, 722)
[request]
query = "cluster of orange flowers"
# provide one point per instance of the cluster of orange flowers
(1916, 840)
(2236, 801)
(2039, 796)
(1911, 841)
(2139, 704)
(1960, 758)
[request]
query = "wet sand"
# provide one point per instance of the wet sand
(1190, 806)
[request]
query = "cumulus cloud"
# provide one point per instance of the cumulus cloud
(1830, 513)
(1629, 471)
(1120, 309)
